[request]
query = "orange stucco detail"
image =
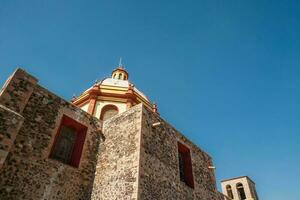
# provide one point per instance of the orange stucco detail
(92, 105)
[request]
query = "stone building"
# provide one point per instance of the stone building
(109, 143)
(31, 166)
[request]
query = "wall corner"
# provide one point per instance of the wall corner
(17, 90)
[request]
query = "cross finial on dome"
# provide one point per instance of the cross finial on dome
(120, 62)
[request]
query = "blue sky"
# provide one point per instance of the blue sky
(225, 73)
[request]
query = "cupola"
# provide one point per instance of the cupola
(119, 73)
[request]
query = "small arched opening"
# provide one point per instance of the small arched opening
(108, 111)
(229, 191)
(241, 191)
(120, 76)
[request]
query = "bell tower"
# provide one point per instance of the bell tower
(240, 188)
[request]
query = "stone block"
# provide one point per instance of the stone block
(17, 90)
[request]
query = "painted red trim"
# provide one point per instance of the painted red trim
(154, 108)
(79, 141)
(92, 105)
(187, 164)
(126, 95)
(78, 147)
(129, 95)
(129, 103)
(81, 102)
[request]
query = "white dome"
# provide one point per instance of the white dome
(115, 82)
(120, 83)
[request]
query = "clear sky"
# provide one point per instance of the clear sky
(224, 73)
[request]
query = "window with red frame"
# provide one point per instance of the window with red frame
(185, 165)
(69, 140)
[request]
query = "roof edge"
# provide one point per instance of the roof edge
(239, 177)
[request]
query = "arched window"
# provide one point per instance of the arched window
(108, 111)
(241, 191)
(120, 76)
(229, 191)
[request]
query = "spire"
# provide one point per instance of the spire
(120, 63)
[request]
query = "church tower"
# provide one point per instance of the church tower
(112, 96)
(240, 188)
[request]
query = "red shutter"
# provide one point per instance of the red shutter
(187, 164)
(77, 150)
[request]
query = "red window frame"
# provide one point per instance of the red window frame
(185, 154)
(80, 131)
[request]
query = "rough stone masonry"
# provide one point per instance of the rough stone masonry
(126, 157)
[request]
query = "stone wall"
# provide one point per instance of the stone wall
(134, 161)
(139, 161)
(17, 90)
(223, 196)
(29, 119)
(159, 170)
(118, 162)
(10, 124)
